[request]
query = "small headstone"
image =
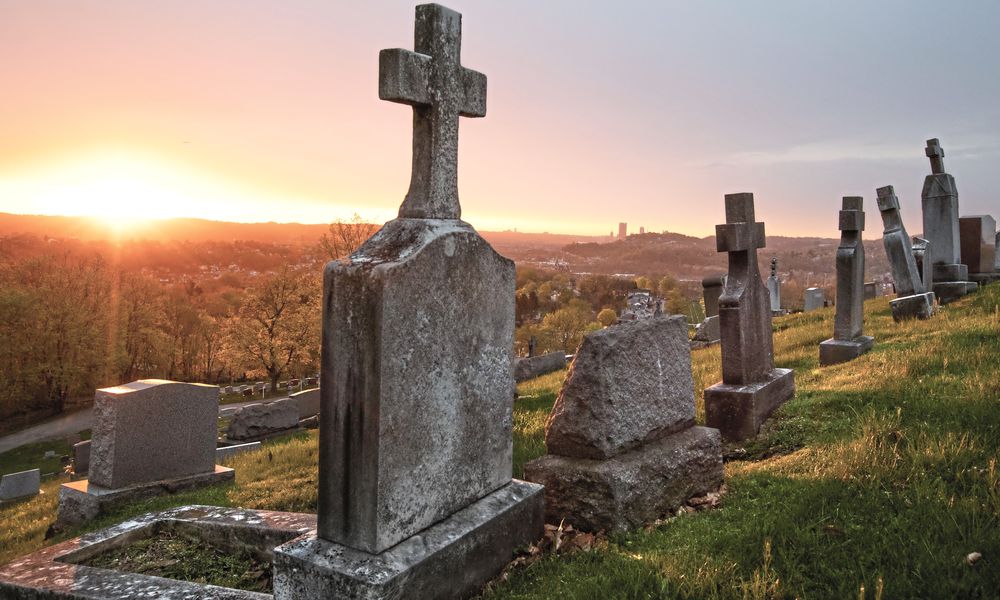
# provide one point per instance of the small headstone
(939, 199)
(308, 402)
(774, 288)
(81, 457)
(536, 366)
(814, 298)
(224, 452)
(871, 290)
(14, 486)
(50, 454)
(751, 387)
(848, 342)
(258, 421)
(707, 331)
(623, 448)
(978, 234)
(913, 300)
(417, 375)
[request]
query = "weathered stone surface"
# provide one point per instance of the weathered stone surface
(260, 420)
(774, 287)
(916, 306)
(153, 429)
(712, 289)
(939, 200)
(535, 366)
(749, 378)
(54, 572)
(224, 452)
(81, 457)
(20, 485)
(634, 488)
(847, 341)
(871, 290)
(79, 501)
(449, 560)
(921, 255)
(708, 331)
(914, 300)
(627, 384)
(308, 402)
(814, 298)
(978, 242)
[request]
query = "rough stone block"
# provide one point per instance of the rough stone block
(449, 559)
(417, 406)
(536, 366)
(634, 488)
(917, 306)
(257, 421)
(308, 402)
(20, 485)
(833, 351)
(739, 410)
(628, 384)
(153, 429)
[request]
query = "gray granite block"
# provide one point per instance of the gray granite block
(708, 331)
(258, 421)
(738, 410)
(833, 351)
(917, 306)
(308, 402)
(450, 559)
(634, 488)
(22, 484)
(536, 366)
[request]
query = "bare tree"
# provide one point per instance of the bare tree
(344, 238)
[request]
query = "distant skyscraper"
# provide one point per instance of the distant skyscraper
(622, 231)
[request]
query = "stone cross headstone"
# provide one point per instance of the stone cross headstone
(978, 235)
(24, 484)
(751, 387)
(848, 342)
(813, 298)
(626, 414)
(939, 199)
(774, 288)
(415, 426)
(913, 300)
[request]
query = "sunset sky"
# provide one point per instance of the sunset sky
(598, 112)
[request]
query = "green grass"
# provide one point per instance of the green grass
(875, 481)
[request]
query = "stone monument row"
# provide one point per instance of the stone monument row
(751, 387)
(912, 299)
(848, 342)
(416, 498)
(939, 199)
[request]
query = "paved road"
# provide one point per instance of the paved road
(70, 423)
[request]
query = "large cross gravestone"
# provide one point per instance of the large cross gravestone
(848, 342)
(939, 200)
(751, 387)
(913, 300)
(416, 498)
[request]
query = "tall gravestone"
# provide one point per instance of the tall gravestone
(416, 498)
(751, 387)
(940, 209)
(978, 234)
(707, 331)
(774, 288)
(913, 300)
(848, 342)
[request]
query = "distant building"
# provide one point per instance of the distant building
(622, 231)
(641, 304)
(642, 230)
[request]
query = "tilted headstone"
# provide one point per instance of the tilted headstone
(939, 199)
(308, 402)
(978, 234)
(149, 437)
(14, 486)
(848, 342)
(751, 387)
(81, 457)
(774, 288)
(623, 448)
(913, 299)
(416, 498)
(813, 298)
(707, 331)
(258, 421)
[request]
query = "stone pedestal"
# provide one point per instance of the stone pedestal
(739, 410)
(833, 351)
(916, 306)
(450, 559)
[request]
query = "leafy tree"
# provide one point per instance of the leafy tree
(607, 317)
(566, 327)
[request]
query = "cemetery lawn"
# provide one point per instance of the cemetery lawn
(876, 481)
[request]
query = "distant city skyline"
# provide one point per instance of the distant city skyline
(643, 112)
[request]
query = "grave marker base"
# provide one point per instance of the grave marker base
(450, 559)
(834, 351)
(949, 291)
(79, 501)
(634, 488)
(917, 306)
(739, 410)
(981, 279)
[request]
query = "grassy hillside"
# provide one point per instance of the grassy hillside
(876, 481)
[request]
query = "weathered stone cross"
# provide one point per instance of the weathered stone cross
(935, 152)
(432, 80)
